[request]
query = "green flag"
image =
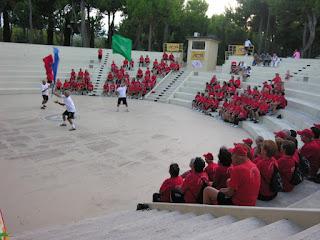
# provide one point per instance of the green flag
(122, 46)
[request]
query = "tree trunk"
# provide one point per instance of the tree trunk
(312, 24)
(266, 39)
(85, 42)
(6, 25)
(260, 35)
(165, 32)
(137, 41)
(30, 23)
(111, 28)
(67, 32)
(50, 30)
(90, 29)
(150, 37)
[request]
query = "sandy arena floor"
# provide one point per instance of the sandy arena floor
(113, 161)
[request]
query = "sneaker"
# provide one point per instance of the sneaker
(43, 107)
(63, 125)
(72, 129)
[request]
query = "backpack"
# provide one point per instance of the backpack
(276, 184)
(297, 176)
(304, 165)
(177, 196)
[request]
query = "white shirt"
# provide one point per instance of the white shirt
(69, 103)
(247, 43)
(45, 89)
(122, 92)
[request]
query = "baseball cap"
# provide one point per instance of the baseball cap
(306, 132)
(247, 141)
(280, 134)
(239, 150)
(208, 156)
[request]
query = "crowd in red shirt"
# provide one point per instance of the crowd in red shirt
(143, 81)
(234, 107)
(78, 82)
(244, 174)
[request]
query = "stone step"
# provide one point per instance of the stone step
(256, 129)
(311, 233)
(277, 231)
(180, 102)
(299, 119)
(185, 96)
(311, 201)
(232, 231)
(305, 107)
(304, 96)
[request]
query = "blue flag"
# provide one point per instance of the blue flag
(55, 63)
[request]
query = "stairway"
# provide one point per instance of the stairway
(167, 86)
(163, 224)
(99, 77)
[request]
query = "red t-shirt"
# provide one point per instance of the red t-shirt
(210, 169)
(266, 168)
(168, 185)
(100, 52)
(286, 168)
(220, 176)
(192, 186)
(245, 181)
(311, 151)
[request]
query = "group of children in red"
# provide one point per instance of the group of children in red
(234, 107)
(143, 82)
(244, 174)
(78, 83)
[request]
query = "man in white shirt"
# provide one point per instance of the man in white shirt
(122, 96)
(71, 109)
(247, 46)
(45, 93)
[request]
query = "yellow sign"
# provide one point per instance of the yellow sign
(197, 55)
(239, 51)
(173, 47)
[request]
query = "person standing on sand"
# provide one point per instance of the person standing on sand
(71, 109)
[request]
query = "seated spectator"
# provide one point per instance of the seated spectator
(267, 60)
(125, 63)
(155, 64)
(296, 54)
(73, 75)
(110, 77)
(141, 61)
(249, 142)
(208, 157)
(194, 181)
(171, 57)
(66, 85)
(257, 150)
(287, 164)
(164, 56)
(242, 187)
(275, 60)
(59, 84)
(106, 88)
(316, 131)
(310, 150)
(266, 166)
(80, 74)
(185, 174)
(131, 67)
(175, 181)
(256, 60)
(221, 172)
(147, 61)
(288, 76)
(246, 73)
(277, 79)
(139, 73)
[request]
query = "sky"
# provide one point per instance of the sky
(215, 7)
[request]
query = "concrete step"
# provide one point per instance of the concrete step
(180, 102)
(274, 124)
(232, 231)
(303, 95)
(190, 90)
(276, 231)
(297, 118)
(305, 107)
(311, 201)
(311, 233)
(185, 96)
(257, 129)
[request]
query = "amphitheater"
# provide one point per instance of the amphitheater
(86, 184)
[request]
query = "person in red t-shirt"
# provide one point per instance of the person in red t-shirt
(141, 61)
(147, 60)
(194, 181)
(73, 75)
(287, 164)
(165, 56)
(59, 84)
(310, 150)
(100, 55)
(237, 82)
(80, 74)
(249, 142)
(66, 85)
(106, 88)
(208, 157)
(221, 172)
(90, 87)
(175, 181)
(242, 187)
(131, 65)
(139, 73)
(171, 57)
(112, 89)
(277, 79)
(125, 63)
(266, 166)
(110, 77)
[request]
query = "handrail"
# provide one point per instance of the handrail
(158, 84)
